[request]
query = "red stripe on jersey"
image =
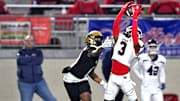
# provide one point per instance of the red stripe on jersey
(119, 68)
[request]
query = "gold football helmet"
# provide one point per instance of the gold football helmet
(94, 38)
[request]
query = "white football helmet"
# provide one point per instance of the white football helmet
(128, 32)
(152, 47)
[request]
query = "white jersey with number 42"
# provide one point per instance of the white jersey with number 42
(148, 70)
(124, 50)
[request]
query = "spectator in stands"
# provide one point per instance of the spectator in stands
(35, 2)
(164, 7)
(38, 11)
(34, 11)
(30, 75)
(85, 7)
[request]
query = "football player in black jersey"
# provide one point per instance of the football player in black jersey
(76, 75)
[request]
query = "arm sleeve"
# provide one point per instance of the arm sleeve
(134, 31)
(134, 28)
(136, 70)
(23, 59)
(116, 28)
(95, 77)
(162, 73)
(39, 58)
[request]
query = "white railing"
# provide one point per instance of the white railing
(61, 6)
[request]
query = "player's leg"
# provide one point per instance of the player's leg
(119, 96)
(131, 94)
(26, 91)
(85, 96)
(112, 88)
(128, 88)
(85, 91)
(158, 96)
(43, 91)
(72, 90)
(145, 94)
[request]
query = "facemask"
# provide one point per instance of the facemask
(98, 42)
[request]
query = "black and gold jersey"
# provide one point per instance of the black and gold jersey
(84, 64)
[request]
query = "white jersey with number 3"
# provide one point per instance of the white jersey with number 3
(124, 50)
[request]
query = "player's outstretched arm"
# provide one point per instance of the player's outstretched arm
(116, 28)
(96, 78)
(163, 74)
(134, 28)
(96, 51)
(136, 69)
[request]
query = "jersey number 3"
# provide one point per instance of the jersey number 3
(153, 70)
(122, 50)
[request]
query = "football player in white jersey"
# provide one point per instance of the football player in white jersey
(126, 48)
(147, 68)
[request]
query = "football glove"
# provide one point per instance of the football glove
(108, 42)
(103, 83)
(127, 5)
(163, 86)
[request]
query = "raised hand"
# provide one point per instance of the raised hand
(137, 10)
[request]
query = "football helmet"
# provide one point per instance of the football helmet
(128, 32)
(152, 47)
(130, 10)
(92, 38)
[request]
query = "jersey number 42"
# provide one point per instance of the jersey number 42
(153, 70)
